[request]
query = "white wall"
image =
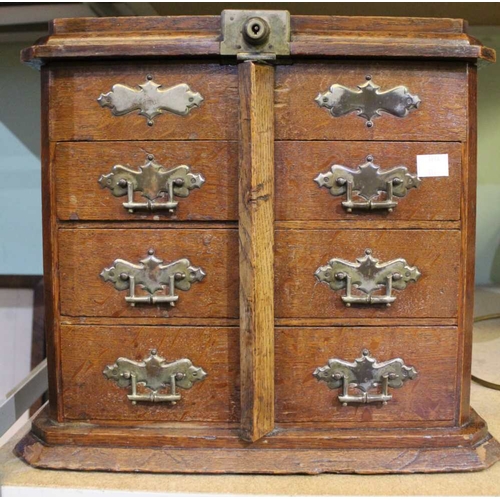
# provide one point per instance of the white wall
(488, 188)
(20, 205)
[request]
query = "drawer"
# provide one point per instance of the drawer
(86, 253)
(431, 396)
(300, 254)
(88, 394)
(299, 197)
(440, 86)
(75, 113)
(208, 189)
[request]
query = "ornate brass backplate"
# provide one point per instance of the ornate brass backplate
(153, 181)
(364, 185)
(367, 276)
(368, 101)
(155, 373)
(150, 99)
(152, 275)
(363, 374)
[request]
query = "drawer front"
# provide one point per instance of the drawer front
(75, 113)
(88, 177)
(88, 394)
(300, 197)
(441, 88)
(300, 254)
(430, 396)
(85, 253)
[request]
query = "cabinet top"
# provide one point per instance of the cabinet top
(305, 37)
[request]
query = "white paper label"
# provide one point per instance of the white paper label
(432, 166)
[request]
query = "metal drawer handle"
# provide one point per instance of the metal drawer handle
(367, 101)
(150, 99)
(367, 276)
(155, 373)
(152, 275)
(153, 181)
(363, 374)
(367, 183)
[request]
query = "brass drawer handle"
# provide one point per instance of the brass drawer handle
(367, 276)
(152, 180)
(367, 101)
(154, 373)
(363, 374)
(367, 183)
(152, 275)
(150, 99)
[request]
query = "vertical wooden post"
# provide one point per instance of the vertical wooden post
(256, 233)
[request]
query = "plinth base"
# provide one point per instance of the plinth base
(84, 447)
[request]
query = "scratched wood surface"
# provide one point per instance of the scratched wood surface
(441, 86)
(431, 396)
(75, 113)
(299, 197)
(256, 235)
(224, 461)
(79, 165)
(89, 395)
(85, 253)
(300, 253)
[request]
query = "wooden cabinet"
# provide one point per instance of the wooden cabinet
(253, 262)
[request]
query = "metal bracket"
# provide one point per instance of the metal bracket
(152, 275)
(153, 181)
(365, 374)
(368, 276)
(368, 181)
(255, 34)
(154, 373)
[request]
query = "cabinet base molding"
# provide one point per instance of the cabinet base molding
(98, 448)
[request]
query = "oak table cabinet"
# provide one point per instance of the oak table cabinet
(259, 245)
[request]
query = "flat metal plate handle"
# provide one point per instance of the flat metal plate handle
(153, 276)
(154, 373)
(150, 99)
(367, 276)
(368, 101)
(363, 375)
(364, 186)
(154, 182)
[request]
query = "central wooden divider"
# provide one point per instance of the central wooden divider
(256, 247)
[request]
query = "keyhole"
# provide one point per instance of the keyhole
(256, 31)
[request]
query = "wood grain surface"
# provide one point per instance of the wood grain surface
(78, 167)
(469, 455)
(75, 113)
(287, 436)
(298, 197)
(89, 395)
(298, 294)
(311, 36)
(441, 86)
(256, 236)
(430, 397)
(85, 253)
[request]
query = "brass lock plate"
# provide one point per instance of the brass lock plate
(255, 34)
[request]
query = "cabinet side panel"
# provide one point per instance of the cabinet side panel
(50, 252)
(468, 247)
